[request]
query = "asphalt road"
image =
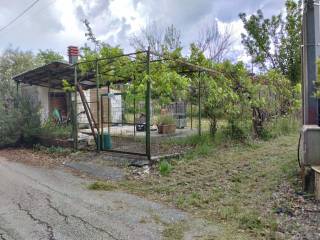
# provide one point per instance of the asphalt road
(38, 203)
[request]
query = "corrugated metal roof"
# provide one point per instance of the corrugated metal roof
(52, 74)
(49, 75)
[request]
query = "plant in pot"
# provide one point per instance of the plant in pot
(166, 124)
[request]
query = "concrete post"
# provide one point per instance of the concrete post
(311, 52)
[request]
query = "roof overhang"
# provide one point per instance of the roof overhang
(49, 75)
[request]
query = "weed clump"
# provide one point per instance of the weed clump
(53, 150)
(102, 186)
(165, 168)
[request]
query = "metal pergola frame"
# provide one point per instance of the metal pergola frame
(52, 74)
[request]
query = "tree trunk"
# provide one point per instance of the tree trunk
(257, 121)
(213, 126)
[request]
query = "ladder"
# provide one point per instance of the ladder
(92, 122)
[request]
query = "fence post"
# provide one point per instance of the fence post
(199, 104)
(148, 102)
(134, 107)
(109, 108)
(75, 110)
(98, 107)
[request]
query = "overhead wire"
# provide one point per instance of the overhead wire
(19, 15)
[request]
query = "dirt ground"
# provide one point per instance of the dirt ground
(34, 158)
(298, 213)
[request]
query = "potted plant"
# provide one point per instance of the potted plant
(166, 124)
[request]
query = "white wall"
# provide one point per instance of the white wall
(43, 96)
(116, 108)
(82, 118)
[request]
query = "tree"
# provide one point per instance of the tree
(47, 56)
(19, 116)
(160, 40)
(214, 42)
(219, 95)
(13, 62)
(291, 47)
(275, 43)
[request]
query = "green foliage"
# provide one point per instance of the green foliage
(251, 221)
(236, 132)
(67, 86)
(275, 43)
(166, 120)
(53, 150)
(225, 95)
(230, 94)
(19, 122)
(13, 62)
(165, 168)
(273, 96)
(47, 56)
(275, 93)
(316, 94)
(166, 83)
(52, 130)
(281, 126)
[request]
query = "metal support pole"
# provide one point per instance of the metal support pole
(199, 104)
(109, 108)
(134, 110)
(191, 116)
(102, 120)
(16, 102)
(98, 108)
(148, 102)
(75, 111)
(18, 88)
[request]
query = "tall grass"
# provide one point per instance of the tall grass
(282, 126)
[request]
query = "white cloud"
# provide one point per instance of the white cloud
(237, 52)
(56, 24)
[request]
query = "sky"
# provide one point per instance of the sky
(56, 24)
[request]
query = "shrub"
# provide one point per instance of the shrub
(53, 130)
(235, 131)
(19, 122)
(166, 120)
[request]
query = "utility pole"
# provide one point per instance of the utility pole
(310, 134)
(310, 54)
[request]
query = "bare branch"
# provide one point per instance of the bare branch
(214, 42)
(158, 38)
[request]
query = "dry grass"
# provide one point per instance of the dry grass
(228, 184)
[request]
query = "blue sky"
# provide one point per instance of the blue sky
(55, 24)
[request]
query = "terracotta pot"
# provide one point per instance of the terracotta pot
(167, 129)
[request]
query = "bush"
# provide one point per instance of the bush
(53, 130)
(236, 132)
(19, 122)
(166, 120)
